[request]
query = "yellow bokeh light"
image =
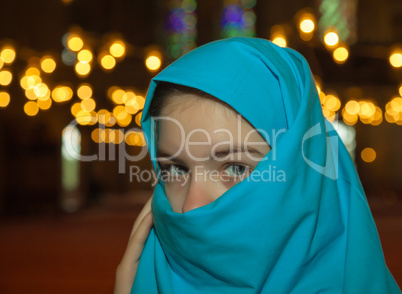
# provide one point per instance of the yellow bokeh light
(83, 117)
(352, 107)
(368, 154)
(280, 41)
(307, 25)
(128, 96)
(108, 62)
(135, 138)
(396, 59)
(116, 136)
(62, 93)
(8, 54)
(278, 36)
(5, 77)
(48, 64)
(331, 39)
(84, 91)
(84, 56)
(332, 102)
(367, 109)
(31, 108)
(138, 118)
(340, 55)
(4, 99)
(132, 106)
(27, 82)
(125, 121)
(30, 94)
(141, 101)
(96, 135)
(82, 68)
(41, 90)
(349, 119)
(117, 49)
(391, 118)
(44, 104)
(111, 121)
(75, 108)
(378, 118)
(94, 118)
(153, 62)
(400, 90)
(32, 71)
(1, 62)
(103, 116)
(88, 104)
(396, 104)
(120, 112)
(328, 114)
(119, 96)
(75, 43)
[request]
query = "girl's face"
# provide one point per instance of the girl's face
(204, 149)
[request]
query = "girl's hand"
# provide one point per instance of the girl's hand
(127, 268)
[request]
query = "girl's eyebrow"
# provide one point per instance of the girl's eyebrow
(236, 149)
(160, 154)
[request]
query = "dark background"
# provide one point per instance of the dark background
(44, 248)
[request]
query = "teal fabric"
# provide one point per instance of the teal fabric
(312, 233)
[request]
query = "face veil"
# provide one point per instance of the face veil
(310, 231)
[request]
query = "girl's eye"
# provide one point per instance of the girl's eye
(174, 170)
(236, 170)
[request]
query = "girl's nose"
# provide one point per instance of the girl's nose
(201, 191)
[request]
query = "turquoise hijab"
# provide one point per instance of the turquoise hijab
(305, 229)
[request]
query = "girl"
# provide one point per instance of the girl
(257, 194)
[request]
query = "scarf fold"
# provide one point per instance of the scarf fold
(300, 223)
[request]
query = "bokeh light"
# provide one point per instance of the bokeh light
(85, 56)
(83, 117)
(75, 108)
(117, 49)
(307, 25)
(4, 99)
(138, 118)
(153, 62)
(278, 36)
(31, 108)
(103, 116)
(48, 64)
(395, 59)
(75, 43)
(5, 77)
(368, 154)
(331, 39)
(96, 135)
(44, 104)
(62, 93)
(84, 91)
(82, 68)
(88, 104)
(340, 54)
(108, 62)
(8, 54)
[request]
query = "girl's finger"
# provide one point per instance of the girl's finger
(145, 210)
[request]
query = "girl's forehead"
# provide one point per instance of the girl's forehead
(191, 103)
(203, 124)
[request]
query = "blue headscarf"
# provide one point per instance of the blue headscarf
(305, 228)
